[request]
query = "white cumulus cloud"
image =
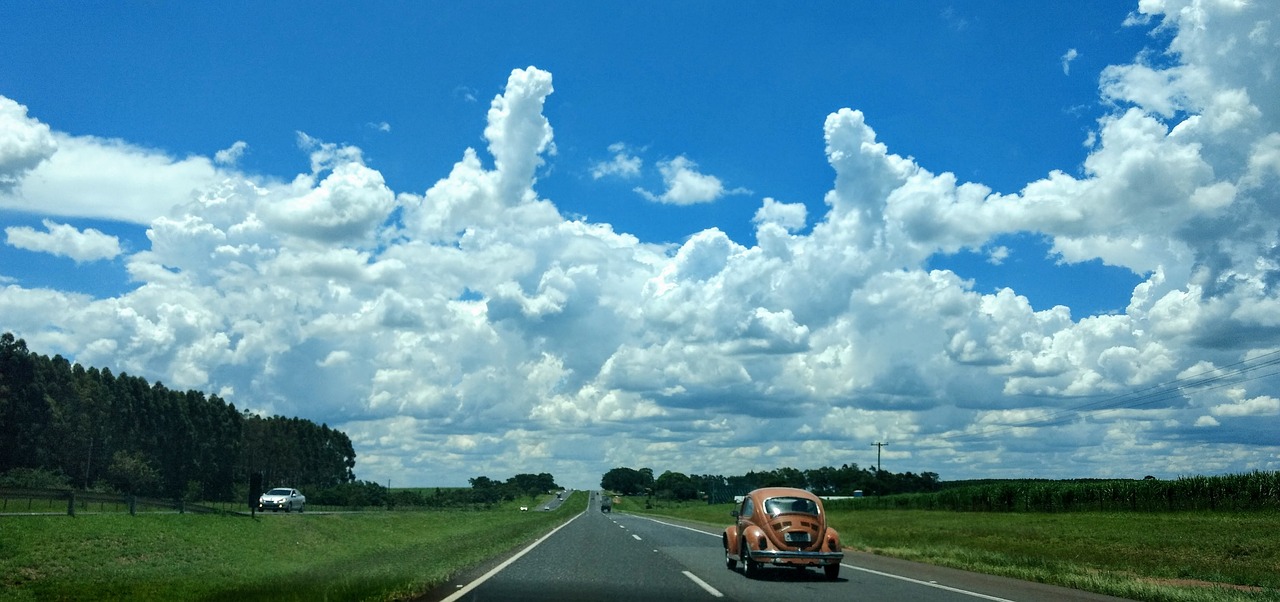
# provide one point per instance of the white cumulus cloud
(1067, 58)
(66, 241)
(452, 330)
(231, 155)
(86, 176)
(24, 143)
(685, 185)
(624, 164)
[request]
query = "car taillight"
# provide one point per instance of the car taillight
(762, 543)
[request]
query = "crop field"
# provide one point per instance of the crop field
(1154, 556)
(349, 556)
(1240, 492)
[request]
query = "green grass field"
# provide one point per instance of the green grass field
(357, 556)
(1176, 557)
(1183, 557)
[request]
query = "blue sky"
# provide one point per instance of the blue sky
(908, 221)
(981, 93)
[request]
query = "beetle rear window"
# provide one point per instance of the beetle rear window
(790, 505)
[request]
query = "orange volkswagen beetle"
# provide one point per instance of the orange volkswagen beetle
(785, 527)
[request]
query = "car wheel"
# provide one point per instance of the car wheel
(750, 568)
(832, 571)
(729, 561)
(288, 508)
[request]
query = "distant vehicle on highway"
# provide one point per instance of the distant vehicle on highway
(782, 526)
(282, 498)
(606, 504)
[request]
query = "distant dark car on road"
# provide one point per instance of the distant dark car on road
(606, 504)
(782, 526)
(282, 498)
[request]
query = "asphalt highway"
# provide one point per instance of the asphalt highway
(626, 557)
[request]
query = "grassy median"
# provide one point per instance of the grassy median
(357, 556)
(1166, 557)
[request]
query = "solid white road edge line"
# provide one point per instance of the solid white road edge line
(497, 569)
(936, 585)
(703, 584)
(858, 568)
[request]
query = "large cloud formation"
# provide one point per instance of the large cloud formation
(473, 329)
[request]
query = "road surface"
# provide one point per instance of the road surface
(625, 557)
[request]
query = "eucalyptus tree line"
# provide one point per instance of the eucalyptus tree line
(96, 429)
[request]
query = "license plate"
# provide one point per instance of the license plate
(800, 537)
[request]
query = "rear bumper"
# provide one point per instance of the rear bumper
(795, 558)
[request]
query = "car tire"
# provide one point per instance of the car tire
(832, 571)
(750, 568)
(730, 561)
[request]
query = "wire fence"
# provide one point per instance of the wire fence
(19, 501)
(70, 501)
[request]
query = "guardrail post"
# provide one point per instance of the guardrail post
(71, 503)
(133, 505)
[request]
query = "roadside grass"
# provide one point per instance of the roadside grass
(354, 556)
(1158, 557)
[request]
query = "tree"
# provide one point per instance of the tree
(130, 472)
(676, 486)
(34, 478)
(628, 481)
(532, 484)
(24, 412)
(826, 480)
(486, 491)
(60, 417)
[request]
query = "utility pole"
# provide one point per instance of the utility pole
(878, 446)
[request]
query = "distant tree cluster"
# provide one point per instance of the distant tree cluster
(823, 481)
(484, 492)
(628, 481)
(352, 494)
(846, 479)
(488, 491)
(89, 428)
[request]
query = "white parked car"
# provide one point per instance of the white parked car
(282, 498)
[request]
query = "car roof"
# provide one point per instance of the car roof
(768, 492)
